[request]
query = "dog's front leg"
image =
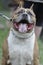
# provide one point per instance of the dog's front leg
(36, 55)
(5, 56)
(4, 61)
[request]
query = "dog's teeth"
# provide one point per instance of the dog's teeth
(22, 28)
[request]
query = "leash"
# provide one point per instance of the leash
(6, 17)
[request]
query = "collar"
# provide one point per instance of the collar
(22, 36)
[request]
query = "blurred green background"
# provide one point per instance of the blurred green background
(4, 32)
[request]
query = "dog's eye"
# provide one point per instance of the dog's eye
(20, 12)
(16, 6)
(30, 13)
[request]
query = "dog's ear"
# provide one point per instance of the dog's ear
(21, 3)
(32, 7)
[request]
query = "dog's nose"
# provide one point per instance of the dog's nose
(25, 15)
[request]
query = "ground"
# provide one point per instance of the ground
(3, 34)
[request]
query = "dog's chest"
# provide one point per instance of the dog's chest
(20, 51)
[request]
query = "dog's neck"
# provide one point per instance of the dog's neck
(22, 36)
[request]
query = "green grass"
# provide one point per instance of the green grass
(41, 51)
(4, 33)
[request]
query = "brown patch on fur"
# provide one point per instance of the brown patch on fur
(15, 15)
(36, 54)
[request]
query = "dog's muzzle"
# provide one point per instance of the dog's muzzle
(25, 16)
(23, 23)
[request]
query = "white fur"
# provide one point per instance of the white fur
(21, 50)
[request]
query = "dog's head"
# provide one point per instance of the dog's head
(23, 19)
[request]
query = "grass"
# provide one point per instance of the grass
(3, 34)
(41, 51)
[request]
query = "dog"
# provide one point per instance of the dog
(20, 47)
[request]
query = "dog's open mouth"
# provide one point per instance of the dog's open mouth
(23, 26)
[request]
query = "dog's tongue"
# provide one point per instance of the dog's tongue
(23, 28)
